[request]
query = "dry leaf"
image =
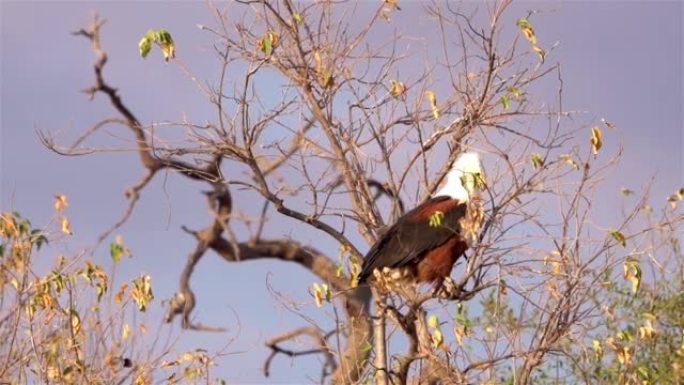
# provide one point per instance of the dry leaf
(596, 139)
(61, 202)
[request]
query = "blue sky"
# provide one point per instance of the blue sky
(620, 60)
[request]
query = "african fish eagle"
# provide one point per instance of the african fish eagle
(424, 244)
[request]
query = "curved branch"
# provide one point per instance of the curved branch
(320, 341)
(355, 300)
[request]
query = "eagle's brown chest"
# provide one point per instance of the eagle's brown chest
(436, 264)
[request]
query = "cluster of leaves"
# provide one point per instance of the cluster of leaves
(643, 338)
(59, 325)
(162, 38)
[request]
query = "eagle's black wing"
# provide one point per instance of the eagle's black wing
(412, 235)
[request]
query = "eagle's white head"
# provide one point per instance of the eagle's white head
(465, 178)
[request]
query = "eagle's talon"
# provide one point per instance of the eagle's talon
(446, 289)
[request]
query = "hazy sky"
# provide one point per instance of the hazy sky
(620, 60)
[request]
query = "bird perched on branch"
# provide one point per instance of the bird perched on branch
(424, 244)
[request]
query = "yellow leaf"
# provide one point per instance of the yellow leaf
(598, 349)
(618, 236)
(66, 226)
(632, 273)
(536, 160)
(676, 197)
(319, 62)
(459, 333)
(647, 331)
(433, 321)
(596, 140)
(397, 88)
(625, 355)
(569, 160)
(118, 296)
(53, 372)
(318, 294)
(540, 52)
(142, 379)
(60, 202)
(432, 98)
(274, 36)
(437, 338)
(553, 289)
(142, 291)
(186, 357)
(169, 51)
(75, 321)
(125, 332)
(344, 248)
(527, 29)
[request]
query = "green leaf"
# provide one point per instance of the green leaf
(626, 192)
(166, 44)
(144, 46)
(116, 251)
(24, 227)
(41, 241)
(504, 102)
(164, 37)
(522, 22)
(515, 91)
(536, 160)
(266, 44)
(436, 219)
(366, 347)
(618, 236)
(462, 317)
(297, 17)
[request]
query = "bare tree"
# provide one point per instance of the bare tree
(313, 118)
